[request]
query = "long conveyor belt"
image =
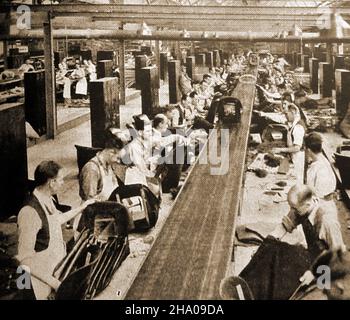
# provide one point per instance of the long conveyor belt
(194, 249)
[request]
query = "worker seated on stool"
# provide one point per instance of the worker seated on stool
(40, 243)
(295, 133)
(169, 113)
(218, 77)
(185, 82)
(97, 179)
(205, 90)
(319, 174)
(162, 137)
(172, 151)
(196, 104)
(182, 115)
(141, 165)
(175, 115)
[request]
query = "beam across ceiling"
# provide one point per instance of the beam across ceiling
(171, 10)
(189, 18)
(215, 25)
(158, 19)
(233, 18)
(238, 3)
(167, 35)
(112, 23)
(219, 18)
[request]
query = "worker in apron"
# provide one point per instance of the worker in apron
(107, 177)
(62, 79)
(45, 261)
(97, 179)
(295, 139)
(320, 175)
(92, 71)
(40, 243)
(79, 75)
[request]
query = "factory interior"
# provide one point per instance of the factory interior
(174, 150)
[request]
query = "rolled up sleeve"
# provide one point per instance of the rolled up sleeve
(29, 225)
(176, 118)
(330, 232)
(298, 135)
(89, 182)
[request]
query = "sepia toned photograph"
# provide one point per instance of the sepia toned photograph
(193, 151)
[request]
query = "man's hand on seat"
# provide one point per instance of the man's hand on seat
(307, 278)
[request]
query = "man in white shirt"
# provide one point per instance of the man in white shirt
(160, 138)
(319, 174)
(197, 106)
(170, 113)
(165, 144)
(205, 90)
(218, 78)
(185, 82)
(182, 114)
(295, 133)
(142, 165)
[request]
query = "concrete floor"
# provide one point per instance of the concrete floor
(65, 115)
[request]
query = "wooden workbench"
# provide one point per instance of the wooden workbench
(191, 255)
(9, 97)
(9, 84)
